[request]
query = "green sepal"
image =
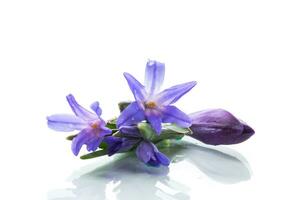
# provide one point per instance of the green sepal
(146, 130)
(71, 137)
(102, 152)
(171, 131)
(94, 154)
(122, 105)
(177, 129)
(166, 134)
(103, 145)
(112, 123)
(117, 134)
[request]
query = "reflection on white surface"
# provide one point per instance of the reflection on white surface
(127, 178)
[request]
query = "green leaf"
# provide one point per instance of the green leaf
(94, 154)
(171, 131)
(167, 134)
(122, 105)
(71, 137)
(103, 146)
(117, 134)
(112, 124)
(177, 129)
(146, 130)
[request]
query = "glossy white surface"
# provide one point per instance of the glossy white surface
(126, 178)
(244, 55)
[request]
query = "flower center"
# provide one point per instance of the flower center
(95, 125)
(150, 104)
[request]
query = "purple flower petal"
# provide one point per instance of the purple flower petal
(216, 117)
(117, 144)
(111, 140)
(153, 162)
(105, 131)
(247, 129)
(154, 76)
(246, 134)
(90, 138)
(136, 87)
(128, 144)
(154, 118)
(171, 114)
(172, 94)
(114, 144)
(64, 122)
(131, 115)
(158, 157)
(96, 108)
(144, 151)
(130, 131)
(79, 110)
(162, 158)
(94, 143)
(82, 138)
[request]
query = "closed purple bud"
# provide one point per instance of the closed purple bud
(218, 126)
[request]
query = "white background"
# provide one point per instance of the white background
(244, 55)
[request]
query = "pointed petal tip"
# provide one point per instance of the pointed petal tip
(155, 62)
(80, 111)
(95, 103)
(137, 89)
(248, 129)
(75, 153)
(69, 96)
(96, 108)
(189, 85)
(129, 78)
(192, 84)
(127, 75)
(172, 94)
(150, 62)
(75, 150)
(154, 76)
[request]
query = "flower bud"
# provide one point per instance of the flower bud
(218, 126)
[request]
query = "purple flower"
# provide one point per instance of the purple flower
(152, 105)
(146, 151)
(149, 154)
(91, 125)
(218, 126)
(120, 144)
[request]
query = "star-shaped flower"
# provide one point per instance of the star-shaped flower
(91, 126)
(152, 105)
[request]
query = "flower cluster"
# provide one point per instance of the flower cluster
(150, 119)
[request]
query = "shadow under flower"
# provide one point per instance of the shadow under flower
(221, 164)
(127, 178)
